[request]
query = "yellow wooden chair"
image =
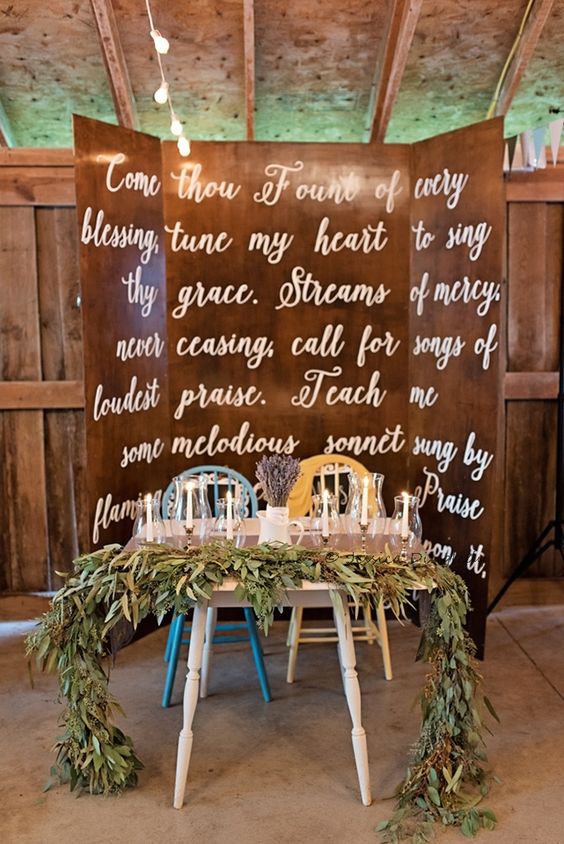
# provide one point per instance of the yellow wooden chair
(326, 471)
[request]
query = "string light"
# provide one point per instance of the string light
(183, 145)
(162, 94)
(162, 45)
(175, 125)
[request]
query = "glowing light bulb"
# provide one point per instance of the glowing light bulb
(183, 145)
(175, 125)
(161, 94)
(161, 43)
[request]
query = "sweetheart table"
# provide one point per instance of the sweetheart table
(446, 776)
(309, 595)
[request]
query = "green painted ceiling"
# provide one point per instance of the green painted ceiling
(317, 63)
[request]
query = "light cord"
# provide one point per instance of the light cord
(505, 70)
(175, 124)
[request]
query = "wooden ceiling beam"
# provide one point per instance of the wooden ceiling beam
(114, 60)
(524, 48)
(403, 17)
(6, 134)
(36, 157)
(249, 36)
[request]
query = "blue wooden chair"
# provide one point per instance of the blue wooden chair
(220, 479)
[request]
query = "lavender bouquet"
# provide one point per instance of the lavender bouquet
(277, 474)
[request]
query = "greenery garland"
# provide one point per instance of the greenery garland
(446, 779)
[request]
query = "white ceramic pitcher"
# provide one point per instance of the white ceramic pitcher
(275, 525)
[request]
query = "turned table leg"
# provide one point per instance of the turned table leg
(190, 700)
(384, 642)
(211, 623)
(294, 642)
(352, 692)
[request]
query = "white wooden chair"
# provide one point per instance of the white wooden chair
(330, 471)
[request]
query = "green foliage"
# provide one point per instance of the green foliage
(446, 779)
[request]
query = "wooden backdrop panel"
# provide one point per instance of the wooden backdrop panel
(458, 247)
(23, 540)
(123, 300)
(308, 396)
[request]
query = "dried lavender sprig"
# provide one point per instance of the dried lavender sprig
(277, 474)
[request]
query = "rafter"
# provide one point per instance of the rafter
(402, 21)
(249, 35)
(520, 55)
(6, 134)
(116, 67)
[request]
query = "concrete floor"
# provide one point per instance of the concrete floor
(282, 772)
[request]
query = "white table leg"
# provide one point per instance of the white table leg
(339, 654)
(371, 629)
(384, 643)
(291, 627)
(352, 692)
(211, 621)
(294, 637)
(190, 701)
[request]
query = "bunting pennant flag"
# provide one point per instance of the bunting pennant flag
(527, 151)
(555, 130)
(511, 142)
(517, 161)
(541, 163)
(506, 163)
(527, 148)
(538, 146)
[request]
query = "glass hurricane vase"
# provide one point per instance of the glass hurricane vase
(148, 525)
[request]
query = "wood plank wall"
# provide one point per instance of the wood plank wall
(42, 447)
(533, 327)
(42, 471)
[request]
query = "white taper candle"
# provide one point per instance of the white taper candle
(364, 507)
(149, 505)
(325, 514)
(189, 511)
(229, 517)
(405, 516)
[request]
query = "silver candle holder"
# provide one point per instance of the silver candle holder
(363, 532)
(404, 557)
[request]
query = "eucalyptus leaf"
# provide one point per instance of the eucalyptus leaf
(490, 708)
(434, 795)
(180, 583)
(288, 582)
(110, 586)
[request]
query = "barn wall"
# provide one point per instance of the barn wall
(533, 335)
(41, 446)
(42, 471)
